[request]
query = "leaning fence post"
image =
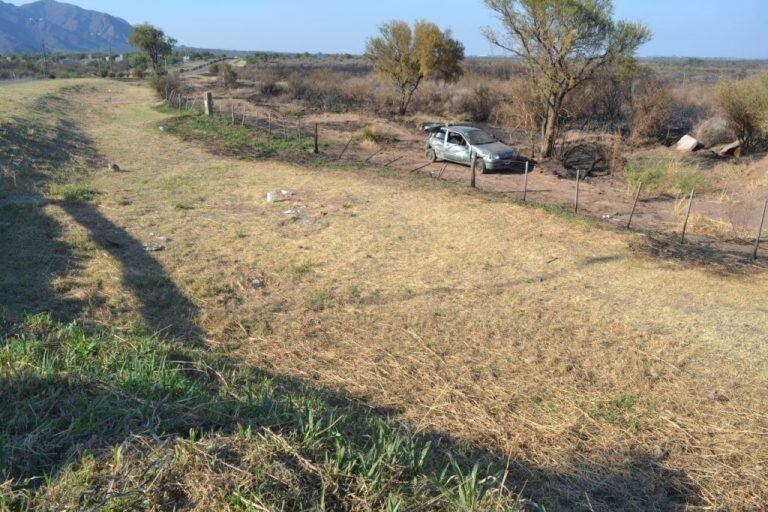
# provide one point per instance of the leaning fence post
(760, 230)
(345, 147)
(472, 162)
(578, 183)
(317, 149)
(688, 214)
(525, 182)
(634, 204)
(208, 103)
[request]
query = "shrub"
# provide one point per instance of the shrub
(228, 75)
(745, 105)
(651, 106)
(714, 131)
(478, 102)
(269, 83)
(164, 85)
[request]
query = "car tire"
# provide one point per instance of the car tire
(431, 156)
(479, 166)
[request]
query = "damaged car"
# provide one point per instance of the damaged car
(458, 143)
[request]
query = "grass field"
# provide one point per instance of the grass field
(575, 370)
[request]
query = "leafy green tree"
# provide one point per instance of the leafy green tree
(152, 41)
(408, 55)
(563, 43)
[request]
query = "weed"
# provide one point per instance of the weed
(319, 300)
(74, 193)
(303, 268)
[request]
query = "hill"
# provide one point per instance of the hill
(63, 27)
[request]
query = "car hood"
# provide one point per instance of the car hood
(496, 148)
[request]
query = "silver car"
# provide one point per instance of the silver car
(457, 143)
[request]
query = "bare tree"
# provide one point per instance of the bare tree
(408, 56)
(562, 44)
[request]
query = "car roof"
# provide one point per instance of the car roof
(464, 130)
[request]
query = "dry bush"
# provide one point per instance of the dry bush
(519, 110)
(164, 85)
(651, 107)
(745, 105)
(477, 99)
(602, 102)
(269, 83)
(228, 75)
(714, 131)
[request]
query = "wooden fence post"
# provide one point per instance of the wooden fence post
(232, 107)
(578, 183)
(317, 147)
(760, 230)
(472, 162)
(525, 182)
(270, 122)
(208, 103)
(634, 204)
(688, 214)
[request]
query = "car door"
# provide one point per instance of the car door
(456, 148)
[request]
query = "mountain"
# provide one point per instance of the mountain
(63, 27)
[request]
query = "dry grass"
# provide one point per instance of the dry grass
(607, 381)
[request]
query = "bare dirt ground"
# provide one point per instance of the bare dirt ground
(606, 380)
(725, 216)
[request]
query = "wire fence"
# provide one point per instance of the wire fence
(278, 125)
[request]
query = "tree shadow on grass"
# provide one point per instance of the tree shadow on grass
(37, 259)
(92, 394)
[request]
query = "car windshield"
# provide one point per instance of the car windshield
(479, 137)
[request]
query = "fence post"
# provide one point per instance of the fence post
(525, 183)
(634, 204)
(578, 183)
(688, 214)
(208, 103)
(232, 108)
(317, 148)
(472, 162)
(270, 122)
(760, 230)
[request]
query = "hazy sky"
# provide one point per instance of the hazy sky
(694, 28)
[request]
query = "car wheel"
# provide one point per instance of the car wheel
(431, 156)
(479, 166)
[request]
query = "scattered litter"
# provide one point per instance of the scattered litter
(16, 163)
(162, 238)
(291, 212)
(162, 128)
(257, 283)
(153, 247)
(272, 197)
(113, 167)
(606, 216)
(288, 193)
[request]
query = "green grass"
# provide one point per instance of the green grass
(661, 175)
(302, 268)
(88, 418)
(236, 139)
(74, 193)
